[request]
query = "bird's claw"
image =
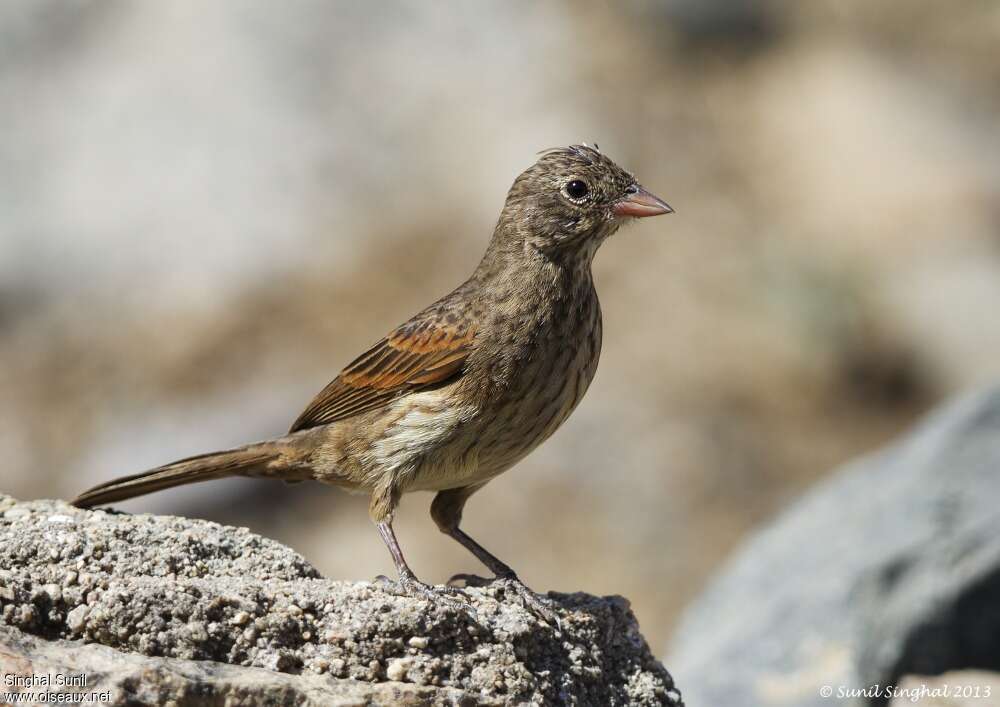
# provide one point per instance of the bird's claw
(413, 587)
(513, 585)
(533, 601)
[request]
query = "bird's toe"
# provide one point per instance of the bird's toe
(536, 603)
(450, 597)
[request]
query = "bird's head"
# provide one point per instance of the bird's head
(575, 197)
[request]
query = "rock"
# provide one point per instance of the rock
(890, 568)
(933, 609)
(154, 609)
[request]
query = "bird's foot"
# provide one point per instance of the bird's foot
(410, 586)
(512, 584)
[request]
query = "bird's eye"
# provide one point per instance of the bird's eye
(577, 189)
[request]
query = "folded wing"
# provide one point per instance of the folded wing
(422, 353)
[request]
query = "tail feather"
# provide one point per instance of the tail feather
(203, 467)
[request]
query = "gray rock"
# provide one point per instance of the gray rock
(890, 568)
(934, 609)
(194, 612)
(128, 678)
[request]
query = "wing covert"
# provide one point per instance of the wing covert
(417, 355)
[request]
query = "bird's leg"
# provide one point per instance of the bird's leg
(446, 510)
(408, 581)
(497, 566)
(406, 577)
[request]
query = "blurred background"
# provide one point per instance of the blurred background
(206, 210)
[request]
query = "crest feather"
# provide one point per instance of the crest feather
(589, 154)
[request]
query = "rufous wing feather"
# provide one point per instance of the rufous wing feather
(418, 355)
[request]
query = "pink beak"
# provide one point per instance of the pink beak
(641, 204)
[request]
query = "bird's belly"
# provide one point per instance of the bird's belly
(505, 431)
(526, 422)
(482, 442)
(423, 447)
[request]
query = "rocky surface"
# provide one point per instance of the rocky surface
(189, 610)
(892, 568)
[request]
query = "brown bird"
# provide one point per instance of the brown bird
(471, 384)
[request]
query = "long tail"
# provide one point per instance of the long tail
(252, 460)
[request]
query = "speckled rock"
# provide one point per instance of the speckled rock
(220, 612)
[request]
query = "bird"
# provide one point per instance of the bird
(467, 387)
